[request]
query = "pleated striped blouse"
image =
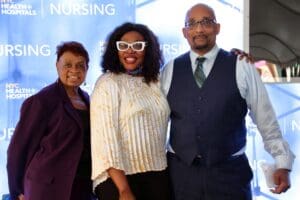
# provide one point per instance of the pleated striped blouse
(128, 126)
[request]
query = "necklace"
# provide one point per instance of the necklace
(135, 72)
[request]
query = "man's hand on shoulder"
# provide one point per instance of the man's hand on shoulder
(242, 54)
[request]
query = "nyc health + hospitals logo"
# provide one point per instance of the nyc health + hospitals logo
(58, 8)
(16, 7)
(17, 91)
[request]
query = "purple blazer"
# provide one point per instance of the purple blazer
(46, 146)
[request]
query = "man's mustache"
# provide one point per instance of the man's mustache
(200, 36)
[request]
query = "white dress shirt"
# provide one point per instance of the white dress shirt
(260, 108)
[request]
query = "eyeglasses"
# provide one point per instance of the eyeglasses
(136, 46)
(205, 23)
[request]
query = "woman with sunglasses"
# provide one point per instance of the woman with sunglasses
(129, 117)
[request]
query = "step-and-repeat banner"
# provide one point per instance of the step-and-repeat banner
(30, 30)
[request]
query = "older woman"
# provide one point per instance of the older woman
(49, 153)
(129, 116)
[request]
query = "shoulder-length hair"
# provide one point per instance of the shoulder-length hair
(153, 59)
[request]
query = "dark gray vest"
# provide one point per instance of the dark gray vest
(209, 121)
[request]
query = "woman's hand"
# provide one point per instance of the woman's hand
(126, 195)
(120, 180)
(21, 197)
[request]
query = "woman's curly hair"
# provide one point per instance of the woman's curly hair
(153, 59)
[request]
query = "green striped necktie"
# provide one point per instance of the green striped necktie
(199, 74)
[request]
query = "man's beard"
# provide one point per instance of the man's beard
(201, 47)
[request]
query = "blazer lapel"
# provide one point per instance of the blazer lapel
(68, 106)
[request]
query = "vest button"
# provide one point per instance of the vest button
(198, 137)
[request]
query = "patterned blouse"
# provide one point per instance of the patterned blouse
(129, 122)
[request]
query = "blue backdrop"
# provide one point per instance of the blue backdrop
(31, 29)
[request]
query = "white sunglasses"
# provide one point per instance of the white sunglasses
(136, 46)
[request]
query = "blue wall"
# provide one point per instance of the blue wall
(31, 29)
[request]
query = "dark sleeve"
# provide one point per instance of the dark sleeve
(24, 142)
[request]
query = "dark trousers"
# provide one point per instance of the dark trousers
(225, 181)
(82, 189)
(145, 186)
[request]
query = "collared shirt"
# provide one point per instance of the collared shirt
(260, 108)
